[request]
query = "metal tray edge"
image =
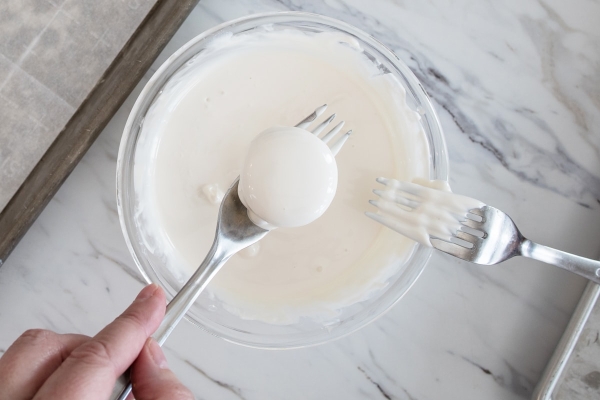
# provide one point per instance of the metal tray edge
(559, 360)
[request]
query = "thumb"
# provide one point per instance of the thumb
(152, 379)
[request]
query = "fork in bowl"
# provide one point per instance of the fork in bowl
(235, 231)
(485, 235)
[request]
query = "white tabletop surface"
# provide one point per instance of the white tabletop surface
(517, 88)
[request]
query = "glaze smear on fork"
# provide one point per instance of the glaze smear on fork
(422, 209)
(235, 232)
(473, 231)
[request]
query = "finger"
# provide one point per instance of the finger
(152, 379)
(94, 366)
(31, 359)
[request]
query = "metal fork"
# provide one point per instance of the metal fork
(493, 238)
(337, 145)
(235, 232)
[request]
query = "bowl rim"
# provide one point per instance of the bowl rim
(439, 162)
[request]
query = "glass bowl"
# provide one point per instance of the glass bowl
(207, 313)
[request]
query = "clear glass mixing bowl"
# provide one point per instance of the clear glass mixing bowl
(207, 313)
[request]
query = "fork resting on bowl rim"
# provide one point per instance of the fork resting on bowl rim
(486, 235)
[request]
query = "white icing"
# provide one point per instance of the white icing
(198, 131)
(423, 209)
(289, 178)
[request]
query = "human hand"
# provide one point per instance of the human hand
(41, 364)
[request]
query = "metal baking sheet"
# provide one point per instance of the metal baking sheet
(573, 372)
(65, 68)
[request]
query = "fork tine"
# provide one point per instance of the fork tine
(396, 197)
(477, 211)
(388, 208)
(329, 135)
(314, 115)
(383, 181)
(384, 194)
(408, 187)
(383, 220)
(467, 237)
(337, 146)
(472, 223)
(319, 128)
(453, 249)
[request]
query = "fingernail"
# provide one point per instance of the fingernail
(147, 292)
(157, 354)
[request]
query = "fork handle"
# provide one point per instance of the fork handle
(581, 266)
(178, 307)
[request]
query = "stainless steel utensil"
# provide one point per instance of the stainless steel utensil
(493, 237)
(235, 232)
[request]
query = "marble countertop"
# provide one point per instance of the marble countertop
(517, 89)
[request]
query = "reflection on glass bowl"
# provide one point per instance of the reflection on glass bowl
(211, 315)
